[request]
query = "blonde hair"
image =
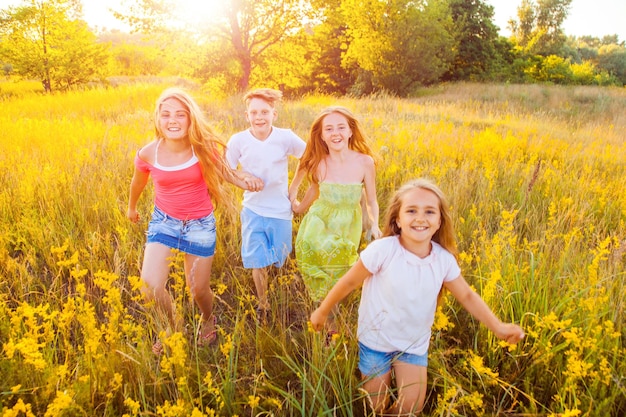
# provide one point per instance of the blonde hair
(316, 149)
(206, 145)
(444, 236)
(269, 95)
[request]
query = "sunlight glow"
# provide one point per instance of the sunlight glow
(200, 12)
(188, 14)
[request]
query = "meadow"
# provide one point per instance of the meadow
(535, 176)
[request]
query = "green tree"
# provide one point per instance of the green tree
(539, 29)
(140, 54)
(255, 25)
(612, 59)
(45, 40)
(553, 69)
(328, 41)
(397, 44)
(476, 37)
(249, 27)
(285, 66)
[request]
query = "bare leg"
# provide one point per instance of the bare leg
(378, 391)
(259, 275)
(154, 273)
(198, 275)
(411, 383)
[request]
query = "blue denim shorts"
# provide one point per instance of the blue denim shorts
(195, 237)
(374, 363)
(264, 240)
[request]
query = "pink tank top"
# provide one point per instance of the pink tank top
(180, 191)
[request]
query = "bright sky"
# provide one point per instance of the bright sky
(586, 17)
(194, 12)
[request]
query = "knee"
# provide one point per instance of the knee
(203, 292)
(378, 402)
(411, 406)
(151, 291)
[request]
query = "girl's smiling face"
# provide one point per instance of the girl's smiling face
(173, 119)
(336, 131)
(419, 218)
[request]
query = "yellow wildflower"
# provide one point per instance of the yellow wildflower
(133, 406)
(62, 402)
(253, 401)
(476, 362)
(19, 409)
(442, 322)
(566, 413)
(227, 346)
(220, 288)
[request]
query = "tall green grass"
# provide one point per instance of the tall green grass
(535, 178)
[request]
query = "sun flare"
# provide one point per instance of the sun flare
(184, 14)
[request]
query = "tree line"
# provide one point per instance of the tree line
(353, 47)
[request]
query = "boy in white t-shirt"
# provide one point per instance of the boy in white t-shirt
(263, 151)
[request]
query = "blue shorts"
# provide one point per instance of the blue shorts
(195, 237)
(264, 240)
(374, 363)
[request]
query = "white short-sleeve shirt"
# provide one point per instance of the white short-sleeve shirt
(399, 300)
(268, 160)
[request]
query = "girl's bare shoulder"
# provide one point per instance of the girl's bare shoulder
(146, 153)
(364, 159)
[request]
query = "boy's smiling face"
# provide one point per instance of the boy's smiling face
(261, 115)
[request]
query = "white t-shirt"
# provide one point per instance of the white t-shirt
(268, 160)
(399, 300)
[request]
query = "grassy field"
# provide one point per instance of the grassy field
(535, 176)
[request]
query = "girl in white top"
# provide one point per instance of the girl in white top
(403, 275)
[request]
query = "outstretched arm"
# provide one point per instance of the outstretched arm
(475, 305)
(352, 280)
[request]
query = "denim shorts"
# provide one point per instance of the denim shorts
(264, 240)
(195, 237)
(374, 363)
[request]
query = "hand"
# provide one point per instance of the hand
(375, 232)
(510, 333)
(132, 215)
(318, 319)
(295, 206)
(253, 183)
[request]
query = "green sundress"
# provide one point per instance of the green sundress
(329, 236)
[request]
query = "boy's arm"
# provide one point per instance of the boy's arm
(475, 305)
(351, 280)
